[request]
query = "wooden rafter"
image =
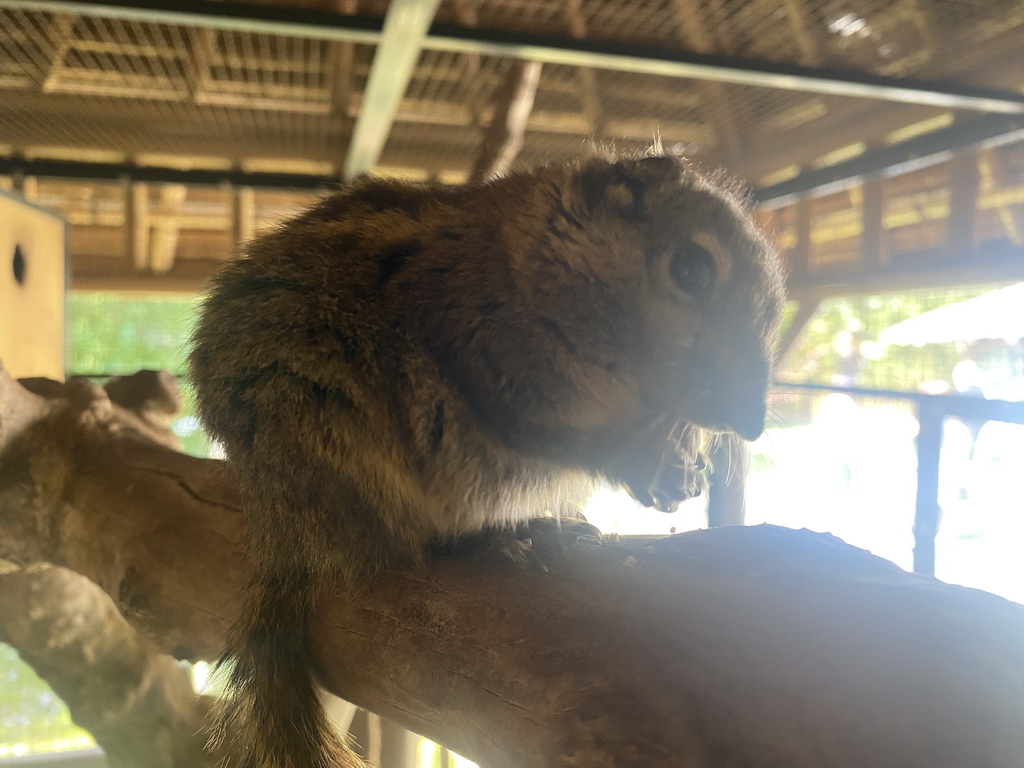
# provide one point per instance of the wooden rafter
(589, 92)
(343, 54)
(797, 19)
(619, 56)
(511, 110)
(63, 26)
(402, 38)
(697, 35)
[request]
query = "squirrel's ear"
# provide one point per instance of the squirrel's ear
(619, 187)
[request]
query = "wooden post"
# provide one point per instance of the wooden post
(726, 495)
(871, 256)
(243, 215)
(136, 227)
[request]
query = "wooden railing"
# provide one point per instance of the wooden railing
(930, 411)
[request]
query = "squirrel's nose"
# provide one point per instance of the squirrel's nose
(748, 420)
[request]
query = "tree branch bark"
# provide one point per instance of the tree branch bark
(757, 647)
(136, 702)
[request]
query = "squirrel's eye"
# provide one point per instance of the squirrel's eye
(693, 270)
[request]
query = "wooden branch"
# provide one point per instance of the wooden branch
(758, 647)
(137, 703)
(115, 683)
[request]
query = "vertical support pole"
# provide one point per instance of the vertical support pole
(504, 137)
(807, 305)
(166, 228)
(374, 740)
(964, 179)
(398, 746)
(726, 495)
(243, 216)
(24, 185)
(927, 512)
(871, 234)
(137, 224)
(801, 254)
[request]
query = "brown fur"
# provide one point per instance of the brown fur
(406, 363)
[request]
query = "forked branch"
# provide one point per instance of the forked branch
(757, 647)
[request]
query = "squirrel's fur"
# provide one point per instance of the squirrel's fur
(409, 363)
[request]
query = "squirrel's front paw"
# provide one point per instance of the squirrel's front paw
(533, 544)
(561, 532)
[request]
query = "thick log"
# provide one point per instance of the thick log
(137, 702)
(757, 647)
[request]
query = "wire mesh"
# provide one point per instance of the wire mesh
(78, 87)
(545, 16)
(915, 214)
(134, 87)
(140, 87)
(836, 229)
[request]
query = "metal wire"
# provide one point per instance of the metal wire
(138, 89)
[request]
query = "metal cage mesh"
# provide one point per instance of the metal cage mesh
(114, 90)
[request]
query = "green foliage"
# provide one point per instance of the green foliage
(839, 347)
(32, 719)
(117, 334)
(114, 334)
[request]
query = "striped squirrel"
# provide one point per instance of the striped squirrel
(406, 363)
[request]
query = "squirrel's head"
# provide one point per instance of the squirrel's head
(660, 273)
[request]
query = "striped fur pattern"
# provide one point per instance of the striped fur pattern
(407, 363)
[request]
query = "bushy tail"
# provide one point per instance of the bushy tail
(272, 716)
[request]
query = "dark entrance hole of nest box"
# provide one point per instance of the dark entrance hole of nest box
(18, 265)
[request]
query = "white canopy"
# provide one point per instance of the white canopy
(998, 314)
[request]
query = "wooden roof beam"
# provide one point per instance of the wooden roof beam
(551, 49)
(986, 131)
(503, 138)
(67, 169)
(898, 158)
(404, 32)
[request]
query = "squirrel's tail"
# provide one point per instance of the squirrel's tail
(272, 715)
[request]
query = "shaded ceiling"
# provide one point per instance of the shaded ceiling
(780, 92)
